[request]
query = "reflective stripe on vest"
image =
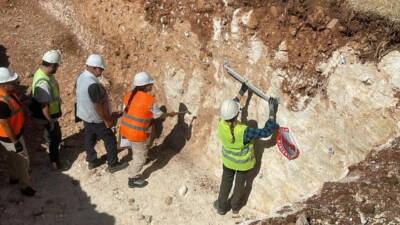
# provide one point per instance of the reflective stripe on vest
(136, 119)
(238, 160)
(133, 126)
(241, 153)
(237, 155)
(54, 104)
(16, 118)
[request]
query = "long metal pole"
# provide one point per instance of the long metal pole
(254, 89)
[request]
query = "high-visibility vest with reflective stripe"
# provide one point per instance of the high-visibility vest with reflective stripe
(136, 119)
(237, 155)
(54, 104)
(16, 119)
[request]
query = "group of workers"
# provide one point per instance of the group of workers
(135, 125)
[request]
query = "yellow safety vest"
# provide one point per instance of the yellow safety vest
(54, 104)
(237, 155)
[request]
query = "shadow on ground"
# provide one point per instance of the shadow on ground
(59, 199)
(173, 143)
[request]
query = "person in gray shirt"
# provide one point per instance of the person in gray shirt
(93, 107)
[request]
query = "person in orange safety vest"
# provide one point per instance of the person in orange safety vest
(11, 132)
(135, 125)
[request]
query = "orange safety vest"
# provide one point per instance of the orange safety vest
(137, 117)
(17, 115)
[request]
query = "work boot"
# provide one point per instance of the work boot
(28, 191)
(117, 167)
(136, 183)
(219, 210)
(235, 212)
(94, 164)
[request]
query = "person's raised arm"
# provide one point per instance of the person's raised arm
(269, 127)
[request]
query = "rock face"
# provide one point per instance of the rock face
(350, 117)
(365, 196)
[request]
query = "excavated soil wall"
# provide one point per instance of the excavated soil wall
(331, 98)
(335, 71)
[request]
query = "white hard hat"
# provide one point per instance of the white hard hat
(142, 79)
(95, 60)
(52, 56)
(229, 109)
(7, 75)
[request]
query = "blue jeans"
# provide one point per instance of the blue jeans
(99, 131)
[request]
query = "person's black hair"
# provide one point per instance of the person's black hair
(47, 64)
(232, 124)
(133, 93)
(138, 88)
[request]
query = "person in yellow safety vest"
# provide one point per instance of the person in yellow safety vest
(46, 94)
(11, 132)
(237, 151)
(139, 111)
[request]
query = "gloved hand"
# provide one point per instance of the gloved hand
(18, 147)
(273, 108)
(243, 89)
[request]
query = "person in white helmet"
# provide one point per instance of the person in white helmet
(11, 132)
(93, 107)
(139, 111)
(237, 151)
(46, 104)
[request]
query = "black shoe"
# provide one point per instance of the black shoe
(235, 212)
(219, 210)
(136, 183)
(28, 191)
(13, 181)
(94, 164)
(117, 167)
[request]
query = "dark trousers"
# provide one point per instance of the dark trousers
(94, 132)
(228, 175)
(52, 136)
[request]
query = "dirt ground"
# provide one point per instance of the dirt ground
(368, 195)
